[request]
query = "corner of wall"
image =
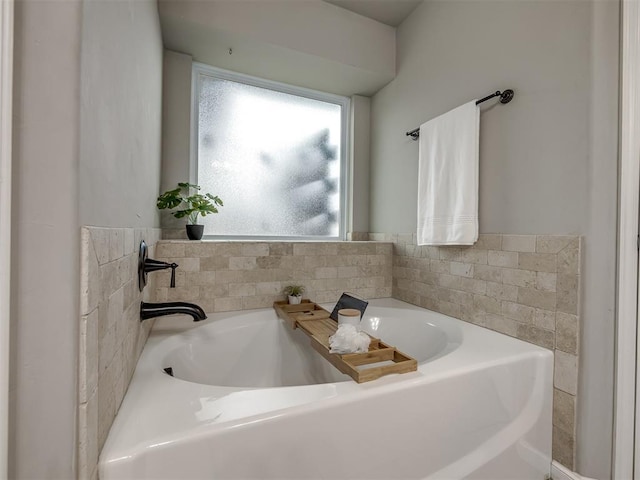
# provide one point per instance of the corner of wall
(111, 335)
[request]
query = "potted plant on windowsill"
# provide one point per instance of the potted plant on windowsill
(294, 292)
(190, 206)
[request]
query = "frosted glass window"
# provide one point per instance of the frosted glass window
(273, 157)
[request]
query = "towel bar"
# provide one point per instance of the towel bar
(505, 97)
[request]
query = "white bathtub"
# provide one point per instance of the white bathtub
(251, 399)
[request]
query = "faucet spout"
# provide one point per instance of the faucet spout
(152, 310)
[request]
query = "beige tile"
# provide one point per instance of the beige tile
(384, 249)
(470, 314)
(109, 279)
(565, 375)
(546, 281)
(439, 266)
(196, 249)
(519, 243)
(430, 252)
(488, 273)
(107, 347)
(502, 292)
(347, 272)
(115, 307)
(185, 264)
(464, 255)
(161, 294)
(552, 243)
(520, 278)
(564, 409)
(487, 304)
(306, 249)
(537, 262)
(227, 304)
(87, 437)
(184, 294)
(461, 269)
(563, 448)
(88, 356)
(269, 262)
(89, 275)
(242, 289)
(489, 242)
(567, 291)
(443, 294)
(412, 251)
(217, 262)
(204, 279)
(101, 243)
(537, 298)
(447, 308)
(255, 249)
(280, 248)
(315, 261)
(567, 333)
(173, 250)
(326, 272)
(228, 249)
(269, 288)
(501, 324)
(259, 301)
(242, 263)
(538, 336)
(516, 311)
(106, 413)
(116, 243)
(292, 263)
(130, 246)
(545, 319)
(569, 258)
(502, 259)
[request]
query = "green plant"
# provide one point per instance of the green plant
(294, 290)
(190, 205)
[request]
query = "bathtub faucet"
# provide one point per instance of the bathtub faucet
(152, 310)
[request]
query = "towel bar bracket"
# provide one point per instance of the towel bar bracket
(505, 97)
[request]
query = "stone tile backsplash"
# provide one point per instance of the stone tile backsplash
(111, 335)
(224, 276)
(525, 286)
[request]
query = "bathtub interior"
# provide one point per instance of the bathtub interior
(265, 352)
(478, 407)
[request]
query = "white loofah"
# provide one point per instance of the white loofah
(348, 339)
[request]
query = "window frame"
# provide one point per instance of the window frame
(199, 69)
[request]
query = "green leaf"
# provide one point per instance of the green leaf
(192, 205)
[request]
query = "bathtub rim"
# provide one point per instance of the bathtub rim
(131, 435)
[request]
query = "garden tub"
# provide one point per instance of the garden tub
(247, 397)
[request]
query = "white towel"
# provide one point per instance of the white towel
(448, 178)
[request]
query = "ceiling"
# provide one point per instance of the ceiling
(389, 12)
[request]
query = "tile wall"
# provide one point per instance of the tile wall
(225, 276)
(111, 335)
(525, 286)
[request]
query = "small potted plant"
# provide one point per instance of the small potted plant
(190, 206)
(294, 292)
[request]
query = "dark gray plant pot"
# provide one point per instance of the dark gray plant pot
(195, 232)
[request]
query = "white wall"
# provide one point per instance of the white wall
(106, 76)
(121, 113)
(360, 158)
(45, 240)
(547, 159)
(307, 43)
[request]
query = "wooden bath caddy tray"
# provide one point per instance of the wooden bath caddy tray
(316, 323)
